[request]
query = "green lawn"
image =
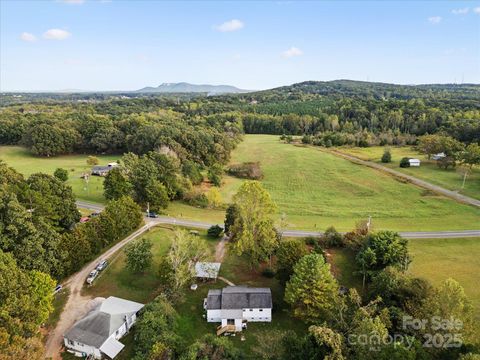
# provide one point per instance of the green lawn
(315, 189)
(428, 170)
(439, 259)
(24, 162)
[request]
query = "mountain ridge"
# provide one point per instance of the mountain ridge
(184, 87)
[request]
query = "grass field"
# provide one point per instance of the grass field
(315, 189)
(428, 170)
(439, 259)
(24, 162)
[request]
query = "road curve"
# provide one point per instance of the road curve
(294, 233)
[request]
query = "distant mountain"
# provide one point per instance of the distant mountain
(184, 87)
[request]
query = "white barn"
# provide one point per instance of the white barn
(234, 306)
(414, 162)
(98, 332)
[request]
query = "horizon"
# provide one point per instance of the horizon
(121, 46)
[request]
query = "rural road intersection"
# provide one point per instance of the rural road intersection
(294, 233)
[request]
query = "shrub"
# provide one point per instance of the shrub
(387, 156)
(311, 240)
(196, 198)
(405, 163)
(215, 231)
(246, 170)
(332, 238)
(269, 273)
(61, 174)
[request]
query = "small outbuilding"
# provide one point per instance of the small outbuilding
(414, 162)
(100, 170)
(207, 270)
(438, 156)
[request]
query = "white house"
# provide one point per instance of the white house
(234, 306)
(98, 332)
(414, 162)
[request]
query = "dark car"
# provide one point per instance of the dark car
(58, 288)
(95, 214)
(152, 214)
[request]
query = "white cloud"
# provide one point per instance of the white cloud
(56, 34)
(232, 25)
(28, 37)
(434, 19)
(293, 51)
(477, 10)
(74, 2)
(461, 11)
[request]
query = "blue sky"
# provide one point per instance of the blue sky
(126, 45)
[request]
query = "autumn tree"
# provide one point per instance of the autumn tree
(93, 160)
(253, 229)
(469, 158)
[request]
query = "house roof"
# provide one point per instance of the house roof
(207, 269)
(96, 327)
(101, 168)
(112, 347)
(239, 297)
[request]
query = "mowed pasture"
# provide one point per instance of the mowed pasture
(429, 171)
(315, 189)
(24, 162)
(439, 259)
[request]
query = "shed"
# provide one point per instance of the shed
(414, 162)
(207, 270)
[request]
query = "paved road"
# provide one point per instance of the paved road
(295, 233)
(424, 184)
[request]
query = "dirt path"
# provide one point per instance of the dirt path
(220, 249)
(424, 184)
(77, 305)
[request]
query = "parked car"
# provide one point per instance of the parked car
(95, 214)
(152, 214)
(92, 277)
(84, 219)
(102, 265)
(58, 288)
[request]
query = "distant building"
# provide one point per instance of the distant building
(103, 170)
(234, 306)
(414, 162)
(98, 332)
(438, 156)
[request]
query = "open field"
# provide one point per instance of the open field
(429, 171)
(116, 280)
(315, 189)
(439, 259)
(24, 162)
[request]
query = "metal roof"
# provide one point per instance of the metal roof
(96, 327)
(239, 297)
(112, 347)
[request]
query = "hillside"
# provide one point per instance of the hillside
(184, 87)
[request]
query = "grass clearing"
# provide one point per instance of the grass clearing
(439, 259)
(24, 162)
(429, 171)
(316, 189)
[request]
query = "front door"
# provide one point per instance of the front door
(230, 321)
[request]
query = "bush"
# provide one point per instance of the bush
(332, 238)
(387, 156)
(61, 174)
(215, 231)
(269, 273)
(246, 170)
(405, 163)
(196, 198)
(311, 240)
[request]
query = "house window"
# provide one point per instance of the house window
(70, 342)
(230, 321)
(251, 309)
(260, 310)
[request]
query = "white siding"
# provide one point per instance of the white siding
(214, 315)
(257, 315)
(87, 349)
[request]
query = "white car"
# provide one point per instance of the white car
(102, 265)
(92, 277)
